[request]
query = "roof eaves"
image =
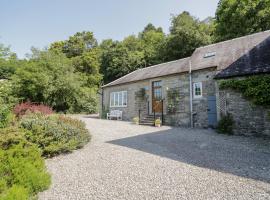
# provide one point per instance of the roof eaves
(112, 83)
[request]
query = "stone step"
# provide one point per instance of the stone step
(147, 123)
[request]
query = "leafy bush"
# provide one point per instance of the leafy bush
(55, 134)
(22, 169)
(5, 116)
(15, 192)
(225, 125)
(22, 108)
(104, 112)
(7, 97)
(255, 88)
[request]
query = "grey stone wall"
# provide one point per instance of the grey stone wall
(182, 115)
(179, 82)
(131, 110)
(250, 119)
(209, 88)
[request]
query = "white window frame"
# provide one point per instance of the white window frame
(117, 94)
(194, 86)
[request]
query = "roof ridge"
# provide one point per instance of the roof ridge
(143, 69)
(119, 78)
(234, 39)
(163, 63)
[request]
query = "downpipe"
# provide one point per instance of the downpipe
(190, 95)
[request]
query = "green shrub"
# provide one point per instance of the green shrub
(16, 193)
(55, 134)
(22, 169)
(6, 116)
(104, 112)
(225, 125)
(11, 136)
(255, 88)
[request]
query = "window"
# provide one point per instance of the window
(157, 84)
(209, 54)
(118, 99)
(197, 90)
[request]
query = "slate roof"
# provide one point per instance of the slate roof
(164, 69)
(255, 61)
(241, 56)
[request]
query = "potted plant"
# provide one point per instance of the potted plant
(158, 122)
(136, 120)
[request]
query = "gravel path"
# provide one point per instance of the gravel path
(125, 161)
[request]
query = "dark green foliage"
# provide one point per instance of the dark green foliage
(255, 88)
(7, 69)
(225, 125)
(6, 116)
(152, 46)
(55, 134)
(121, 58)
(105, 110)
(51, 78)
(238, 18)
(186, 34)
(22, 170)
(8, 62)
(79, 43)
(152, 40)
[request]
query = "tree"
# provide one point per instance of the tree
(186, 34)
(82, 49)
(150, 27)
(4, 51)
(50, 78)
(238, 18)
(8, 62)
(152, 39)
(121, 58)
(79, 43)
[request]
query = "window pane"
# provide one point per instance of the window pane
(124, 98)
(158, 93)
(197, 89)
(157, 83)
(116, 102)
(112, 99)
(120, 98)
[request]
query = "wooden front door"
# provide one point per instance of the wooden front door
(156, 96)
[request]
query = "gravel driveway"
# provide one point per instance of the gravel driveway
(125, 161)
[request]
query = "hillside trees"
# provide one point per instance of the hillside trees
(119, 58)
(186, 34)
(238, 18)
(68, 74)
(8, 62)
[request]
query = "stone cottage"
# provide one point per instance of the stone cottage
(186, 92)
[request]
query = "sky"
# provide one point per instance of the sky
(27, 23)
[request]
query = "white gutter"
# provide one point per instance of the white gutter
(190, 95)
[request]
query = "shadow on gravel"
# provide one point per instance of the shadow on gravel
(241, 156)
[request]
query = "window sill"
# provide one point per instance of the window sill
(118, 106)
